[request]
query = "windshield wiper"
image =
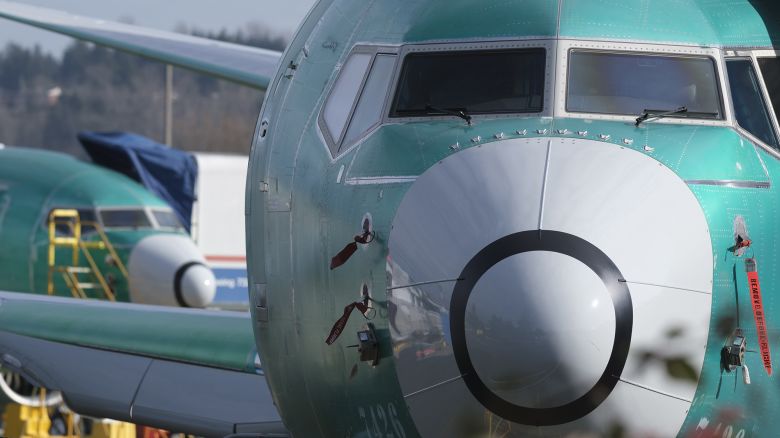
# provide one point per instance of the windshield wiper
(457, 112)
(654, 114)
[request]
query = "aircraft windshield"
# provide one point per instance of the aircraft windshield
(474, 82)
(125, 218)
(631, 83)
(166, 219)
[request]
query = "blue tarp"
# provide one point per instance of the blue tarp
(167, 172)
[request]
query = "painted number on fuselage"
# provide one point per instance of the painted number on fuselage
(704, 430)
(382, 421)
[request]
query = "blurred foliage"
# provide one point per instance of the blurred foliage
(679, 368)
(45, 101)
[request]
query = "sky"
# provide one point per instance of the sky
(280, 16)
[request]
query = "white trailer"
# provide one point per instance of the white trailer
(218, 224)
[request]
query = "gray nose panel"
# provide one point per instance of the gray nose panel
(540, 328)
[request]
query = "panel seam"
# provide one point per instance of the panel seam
(544, 185)
(138, 389)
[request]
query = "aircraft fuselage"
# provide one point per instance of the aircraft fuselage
(540, 263)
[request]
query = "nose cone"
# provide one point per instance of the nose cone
(196, 285)
(169, 270)
(533, 279)
(550, 321)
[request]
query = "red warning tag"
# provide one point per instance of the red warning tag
(338, 327)
(758, 313)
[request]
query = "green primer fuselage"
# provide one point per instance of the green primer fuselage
(32, 183)
(308, 213)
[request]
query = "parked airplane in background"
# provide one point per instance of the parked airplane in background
(117, 218)
(560, 219)
(205, 190)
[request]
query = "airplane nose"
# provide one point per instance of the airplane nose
(553, 309)
(535, 282)
(169, 270)
(195, 283)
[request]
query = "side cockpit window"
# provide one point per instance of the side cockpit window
(770, 70)
(342, 97)
(369, 108)
(749, 106)
(356, 100)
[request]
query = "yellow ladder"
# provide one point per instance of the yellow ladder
(70, 219)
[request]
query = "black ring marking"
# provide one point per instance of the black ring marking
(177, 282)
(586, 253)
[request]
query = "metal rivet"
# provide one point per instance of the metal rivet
(476, 139)
(541, 131)
(521, 131)
(582, 133)
(564, 132)
(499, 136)
(628, 141)
(605, 137)
(455, 146)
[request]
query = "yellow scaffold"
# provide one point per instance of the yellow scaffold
(73, 273)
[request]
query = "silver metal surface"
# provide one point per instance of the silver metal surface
(740, 184)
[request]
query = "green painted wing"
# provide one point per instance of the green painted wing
(246, 65)
(186, 370)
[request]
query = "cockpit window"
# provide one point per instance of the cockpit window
(166, 219)
(125, 218)
(471, 82)
(632, 83)
(354, 106)
(749, 106)
(770, 69)
(369, 108)
(346, 89)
